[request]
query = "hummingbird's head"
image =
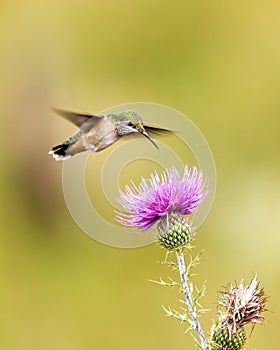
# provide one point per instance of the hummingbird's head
(131, 122)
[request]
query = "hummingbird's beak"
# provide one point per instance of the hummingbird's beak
(149, 138)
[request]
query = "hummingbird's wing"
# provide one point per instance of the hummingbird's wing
(156, 131)
(76, 118)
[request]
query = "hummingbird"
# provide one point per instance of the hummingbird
(99, 132)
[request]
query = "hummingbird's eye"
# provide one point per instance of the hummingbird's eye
(130, 124)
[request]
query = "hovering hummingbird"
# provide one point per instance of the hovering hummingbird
(99, 132)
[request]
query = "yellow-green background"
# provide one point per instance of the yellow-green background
(218, 63)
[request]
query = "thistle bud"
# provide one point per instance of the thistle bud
(223, 339)
(173, 231)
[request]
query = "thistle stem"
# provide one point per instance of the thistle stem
(189, 300)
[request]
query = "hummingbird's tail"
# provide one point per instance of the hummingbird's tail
(59, 152)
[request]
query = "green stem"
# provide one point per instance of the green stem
(189, 300)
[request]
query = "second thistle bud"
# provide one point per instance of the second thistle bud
(222, 339)
(240, 305)
(173, 231)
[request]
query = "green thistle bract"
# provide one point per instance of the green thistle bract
(173, 231)
(222, 339)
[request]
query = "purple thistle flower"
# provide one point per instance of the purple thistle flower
(160, 196)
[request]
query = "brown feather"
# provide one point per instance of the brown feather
(76, 118)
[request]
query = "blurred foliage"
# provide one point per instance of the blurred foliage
(218, 63)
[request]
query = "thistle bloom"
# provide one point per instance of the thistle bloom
(160, 196)
(163, 200)
(240, 305)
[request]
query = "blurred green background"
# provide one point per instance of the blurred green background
(216, 62)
